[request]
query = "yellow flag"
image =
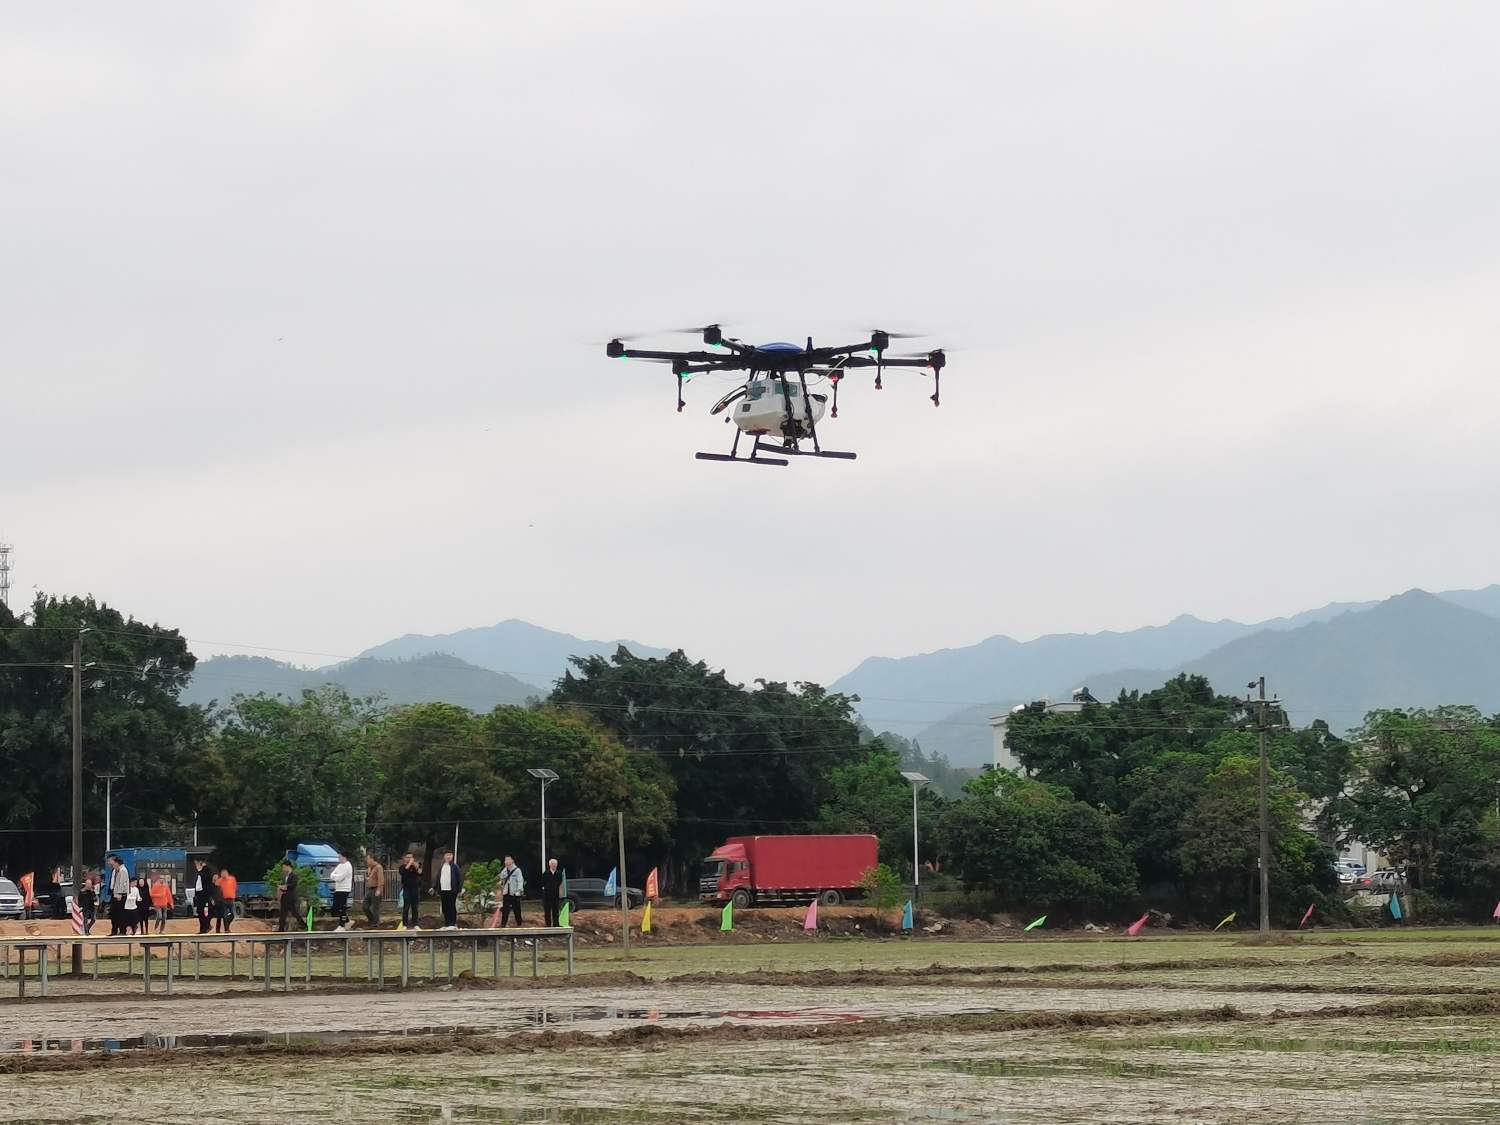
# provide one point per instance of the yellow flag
(1226, 922)
(646, 920)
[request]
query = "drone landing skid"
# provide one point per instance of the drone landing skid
(751, 460)
(773, 454)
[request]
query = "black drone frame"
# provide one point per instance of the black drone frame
(784, 366)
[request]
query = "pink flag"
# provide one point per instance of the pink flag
(1138, 925)
(1497, 910)
(1305, 917)
(495, 917)
(811, 921)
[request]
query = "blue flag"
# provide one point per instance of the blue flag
(1395, 906)
(610, 883)
(906, 916)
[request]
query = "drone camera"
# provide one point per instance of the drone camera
(614, 349)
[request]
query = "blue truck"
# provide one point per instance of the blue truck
(257, 897)
(175, 863)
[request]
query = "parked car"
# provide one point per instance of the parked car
(588, 894)
(1384, 881)
(10, 900)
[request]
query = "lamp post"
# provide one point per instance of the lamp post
(917, 781)
(546, 777)
(109, 788)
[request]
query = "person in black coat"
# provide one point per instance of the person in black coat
(551, 893)
(204, 894)
(448, 883)
(411, 892)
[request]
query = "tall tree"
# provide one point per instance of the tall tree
(132, 725)
(742, 760)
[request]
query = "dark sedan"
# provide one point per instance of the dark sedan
(588, 894)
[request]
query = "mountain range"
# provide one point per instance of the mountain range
(1336, 662)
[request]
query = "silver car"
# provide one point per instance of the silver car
(10, 900)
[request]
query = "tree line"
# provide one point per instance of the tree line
(1151, 798)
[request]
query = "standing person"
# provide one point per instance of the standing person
(161, 901)
(88, 904)
(132, 908)
(142, 905)
(119, 888)
(286, 895)
(342, 882)
(512, 886)
(203, 893)
(551, 893)
(229, 891)
(450, 881)
(411, 892)
(374, 889)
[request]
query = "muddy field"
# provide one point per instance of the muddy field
(1337, 1028)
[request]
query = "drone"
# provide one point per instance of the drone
(775, 407)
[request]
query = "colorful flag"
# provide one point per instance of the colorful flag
(1395, 906)
(651, 888)
(75, 912)
(564, 891)
(495, 917)
(1306, 916)
(646, 919)
(27, 881)
(309, 917)
(1497, 911)
(1034, 925)
(906, 916)
(565, 914)
(1138, 925)
(1233, 914)
(810, 922)
(726, 919)
(612, 883)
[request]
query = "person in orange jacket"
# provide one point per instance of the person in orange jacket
(229, 890)
(161, 902)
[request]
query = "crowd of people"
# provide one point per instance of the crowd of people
(134, 906)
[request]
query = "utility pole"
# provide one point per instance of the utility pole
(77, 786)
(624, 884)
(109, 800)
(1265, 816)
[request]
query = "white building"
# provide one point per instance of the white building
(1004, 758)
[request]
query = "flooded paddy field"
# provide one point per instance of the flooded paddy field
(1335, 1029)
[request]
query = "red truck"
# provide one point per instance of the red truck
(747, 870)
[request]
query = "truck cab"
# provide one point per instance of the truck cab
(725, 871)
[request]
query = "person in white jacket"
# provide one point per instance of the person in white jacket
(342, 881)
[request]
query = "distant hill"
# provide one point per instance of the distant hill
(1413, 650)
(945, 699)
(527, 652)
(434, 677)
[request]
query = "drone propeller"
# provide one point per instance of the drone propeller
(898, 335)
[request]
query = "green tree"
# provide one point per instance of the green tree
(290, 772)
(1219, 853)
(1426, 797)
(480, 881)
(741, 760)
(1034, 847)
(132, 725)
(883, 886)
(870, 795)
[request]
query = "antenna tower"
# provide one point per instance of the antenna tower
(5, 574)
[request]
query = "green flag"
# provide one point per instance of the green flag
(1033, 925)
(309, 917)
(565, 914)
(726, 920)
(564, 884)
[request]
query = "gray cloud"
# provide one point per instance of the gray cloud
(299, 301)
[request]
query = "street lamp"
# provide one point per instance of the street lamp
(109, 786)
(917, 781)
(546, 777)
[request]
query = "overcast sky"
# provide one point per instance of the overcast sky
(303, 307)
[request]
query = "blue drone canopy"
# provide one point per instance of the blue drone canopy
(779, 346)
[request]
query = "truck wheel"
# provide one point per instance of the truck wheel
(830, 898)
(740, 898)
